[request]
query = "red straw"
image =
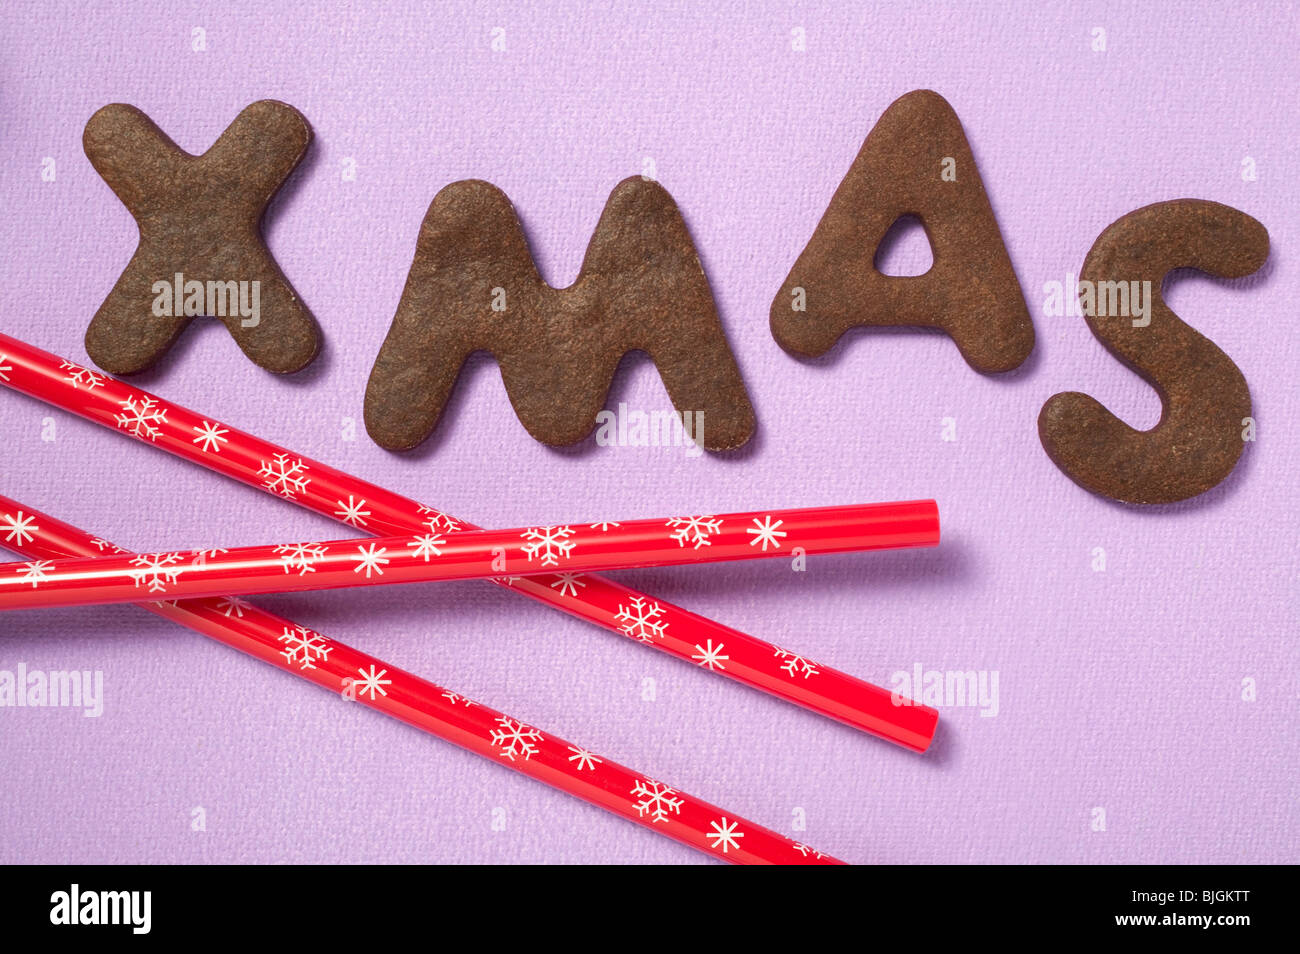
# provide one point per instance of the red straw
(438, 711)
(333, 564)
(316, 486)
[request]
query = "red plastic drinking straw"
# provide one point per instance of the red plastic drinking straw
(431, 556)
(441, 712)
(366, 506)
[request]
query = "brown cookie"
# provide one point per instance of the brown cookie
(201, 249)
(473, 286)
(915, 162)
(1205, 397)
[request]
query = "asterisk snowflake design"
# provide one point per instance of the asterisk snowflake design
(103, 545)
(232, 606)
(805, 850)
(156, 570)
(584, 759)
(201, 557)
(210, 436)
(427, 546)
(439, 521)
(141, 418)
(456, 697)
(4, 367)
(284, 476)
(304, 646)
(515, 738)
(724, 836)
(694, 530)
(657, 799)
(351, 512)
(300, 556)
(709, 655)
(641, 619)
(34, 572)
(371, 560)
(796, 665)
(604, 527)
(80, 377)
(372, 682)
(551, 543)
(568, 583)
(17, 526)
(767, 532)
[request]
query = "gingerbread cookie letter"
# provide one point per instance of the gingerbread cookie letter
(201, 249)
(915, 162)
(1205, 398)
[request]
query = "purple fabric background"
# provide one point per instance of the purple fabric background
(1118, 689)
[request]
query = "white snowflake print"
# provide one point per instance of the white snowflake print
(724, 836)
(515, 738)
(796, 665)
(80, 377)
(805, 850)
(456, 697)
(371, 560)
(35, 572)
(551, 543)
(18, 527)
(584, 759)
(351, 512)
(141, 419)
(709, 655)
(210, 436)
(284, 476)
(201, 557)
(371, 682)
(641, 619)
(300, 556)
(439, 521)
(767, 532)
(568, 584)
(156, 569)
(657, 799)
(104, 545)
(427, 546)
(694, 530)
(232, 606)
(604, 527)
(5, 368)
(304, 647)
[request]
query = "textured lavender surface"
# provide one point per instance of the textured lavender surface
(1120, 690)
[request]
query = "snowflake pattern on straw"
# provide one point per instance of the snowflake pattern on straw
(141, 418)
(438, 521)
(796, 665)
(351, 512)
(806, 850)
(766, 532)
(284, 476)
(604, 527)
(300, 556)
(456, 697)
(104, 546)
(550, 543)
(371, 559)
(427, 546)
(694, 530)
(657, 799)
(80, 377)
(642, 620)
(5, 368)
(34, 572)
(584, 759)
(157, 570)
(17, 526)
(515, 738)
(724, 836)
(568, 583)
(303, 647)
(210, 436)
(710, 656)
(371, 682)
(232, 606)
(201, 557)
